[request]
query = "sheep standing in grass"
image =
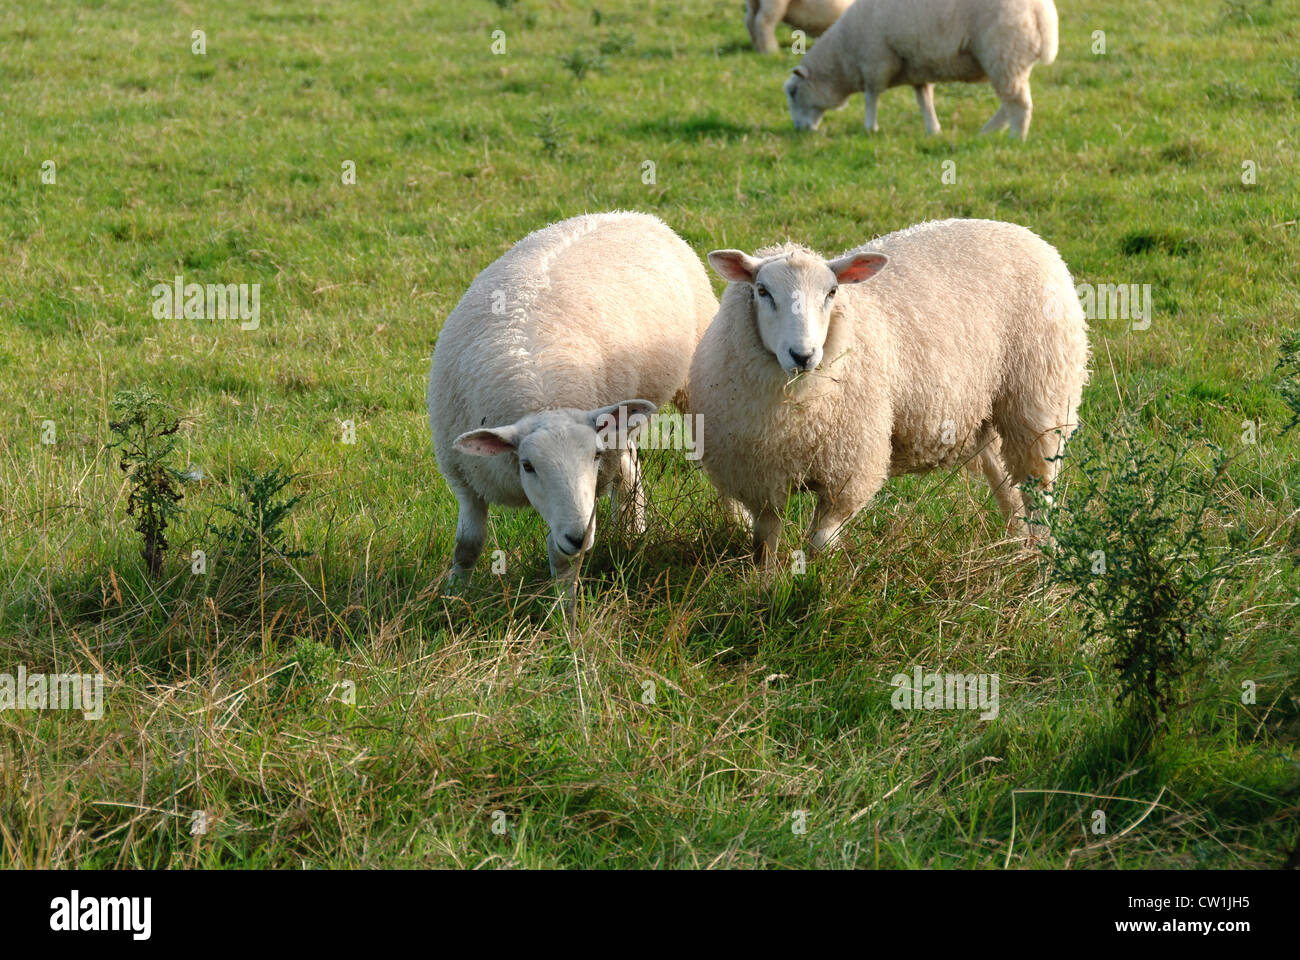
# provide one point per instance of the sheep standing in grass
(948, 342)
(532, 373)
(879, 44)
(813, 17)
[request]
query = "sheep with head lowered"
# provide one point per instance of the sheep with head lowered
(948, 342)
(813, 17)
(879, 44)
(576, 330)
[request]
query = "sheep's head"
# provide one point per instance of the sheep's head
(794, 298)
(559, 455)
(808, 99)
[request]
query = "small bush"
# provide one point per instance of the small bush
(1289, 386)
(1132, 550)
(145, 438)
(258, 516)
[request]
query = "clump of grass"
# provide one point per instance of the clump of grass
(616, 42)
(1132, 551)
(145, 438)
(583, 61)
(552, 134)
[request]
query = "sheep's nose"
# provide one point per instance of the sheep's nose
(574, 543)
(801, 360)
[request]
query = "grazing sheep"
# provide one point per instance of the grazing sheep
(944, 343)
(813, 17)
(531, 369)
(879, 44)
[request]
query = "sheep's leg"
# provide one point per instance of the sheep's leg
(1004, 492)
(871, 97)
(1031, 450)
(997, 121)
(767, 535)
(761, 18)
(471, 531)
(925, 100)
(1017, 104)
(737, 513)
(828, 521)
(627, 498)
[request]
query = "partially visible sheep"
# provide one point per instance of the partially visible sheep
(531, 369)
(879, 44)
(813, 17)
(944, 343)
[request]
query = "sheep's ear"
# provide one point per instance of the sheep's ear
(626, 415)
(488, 442)
(857, 267)
(800, 71)
(734, 265)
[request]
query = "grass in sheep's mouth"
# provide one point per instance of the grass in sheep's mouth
(341, 709)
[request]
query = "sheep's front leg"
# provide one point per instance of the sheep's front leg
(871, 97)
(767, 535)
(628, 496)
(471, 531)
(925, 99)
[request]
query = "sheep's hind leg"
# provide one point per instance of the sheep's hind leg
(1017, 106)
(471, 531)
(761, 19)
(1004, 491)
(997, 121)
(925, 100)
(828, 521)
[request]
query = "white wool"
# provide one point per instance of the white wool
(813, 17)
(969, 344)
(586, 313)
(879, 44)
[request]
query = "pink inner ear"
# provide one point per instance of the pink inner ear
(860, 269)
(484, 444)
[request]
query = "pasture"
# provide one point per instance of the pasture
(328, 704)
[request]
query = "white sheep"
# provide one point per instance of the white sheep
(532, 370)
(947, 342)
(879, 44)
(813, 17)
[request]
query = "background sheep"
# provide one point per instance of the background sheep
(574, 317)
(969, 344)
(813, 17)
(878, 44)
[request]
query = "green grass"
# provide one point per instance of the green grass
(771, 695)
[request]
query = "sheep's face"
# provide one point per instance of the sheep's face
(808, 100)
(559, 455)
(794, 299)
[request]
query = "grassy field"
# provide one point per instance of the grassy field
(338, 709)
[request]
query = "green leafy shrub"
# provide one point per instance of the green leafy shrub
(258, 516)
(144, 432)
(1131, 547)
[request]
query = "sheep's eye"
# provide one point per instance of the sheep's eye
(598, 456)
(832, 293)
(528, 467)
(764, 292)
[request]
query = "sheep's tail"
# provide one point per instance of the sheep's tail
(1048, 32)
